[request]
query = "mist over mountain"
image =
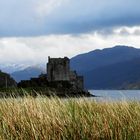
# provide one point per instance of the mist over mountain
(14, 67)
(10, 68)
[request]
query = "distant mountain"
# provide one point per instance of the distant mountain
(10, 68)
(14, 67)
(98, 58)
(27, 73)
(110, 68)
(134, 86)
(6, 80)
(115, 76)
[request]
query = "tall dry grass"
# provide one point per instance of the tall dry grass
(68, 119)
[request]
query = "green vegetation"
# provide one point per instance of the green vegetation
(20, 92)
(6, 80)
(72, 119)
(32, 91)
(43, 91)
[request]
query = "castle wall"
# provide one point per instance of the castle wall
(80, 82)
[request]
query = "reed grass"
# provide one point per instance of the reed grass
(43, 118)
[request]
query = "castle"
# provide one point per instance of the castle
(58, 69)
(59, 77)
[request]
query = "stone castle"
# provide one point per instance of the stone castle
(59, 77)
(58, 69)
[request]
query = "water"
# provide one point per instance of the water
(117, 95)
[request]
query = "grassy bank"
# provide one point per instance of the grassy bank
(42, 91)
(72, 119)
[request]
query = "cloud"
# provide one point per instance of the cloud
(45, 17)
(32, 30)
(35, 50)
(46, 7)
(127, 31)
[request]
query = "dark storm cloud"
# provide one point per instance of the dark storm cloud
(31, 18)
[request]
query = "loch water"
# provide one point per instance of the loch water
(116, 95)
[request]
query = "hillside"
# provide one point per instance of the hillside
(115, 76)
(27, 73)
(98, 58)
(6, 80)
(111, 68)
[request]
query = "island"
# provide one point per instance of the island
(59, 80)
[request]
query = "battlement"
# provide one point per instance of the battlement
(58, 60)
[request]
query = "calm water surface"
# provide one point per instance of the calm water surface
(117, 95)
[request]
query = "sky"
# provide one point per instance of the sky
(30, 30)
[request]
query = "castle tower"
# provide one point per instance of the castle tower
(58, 69)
